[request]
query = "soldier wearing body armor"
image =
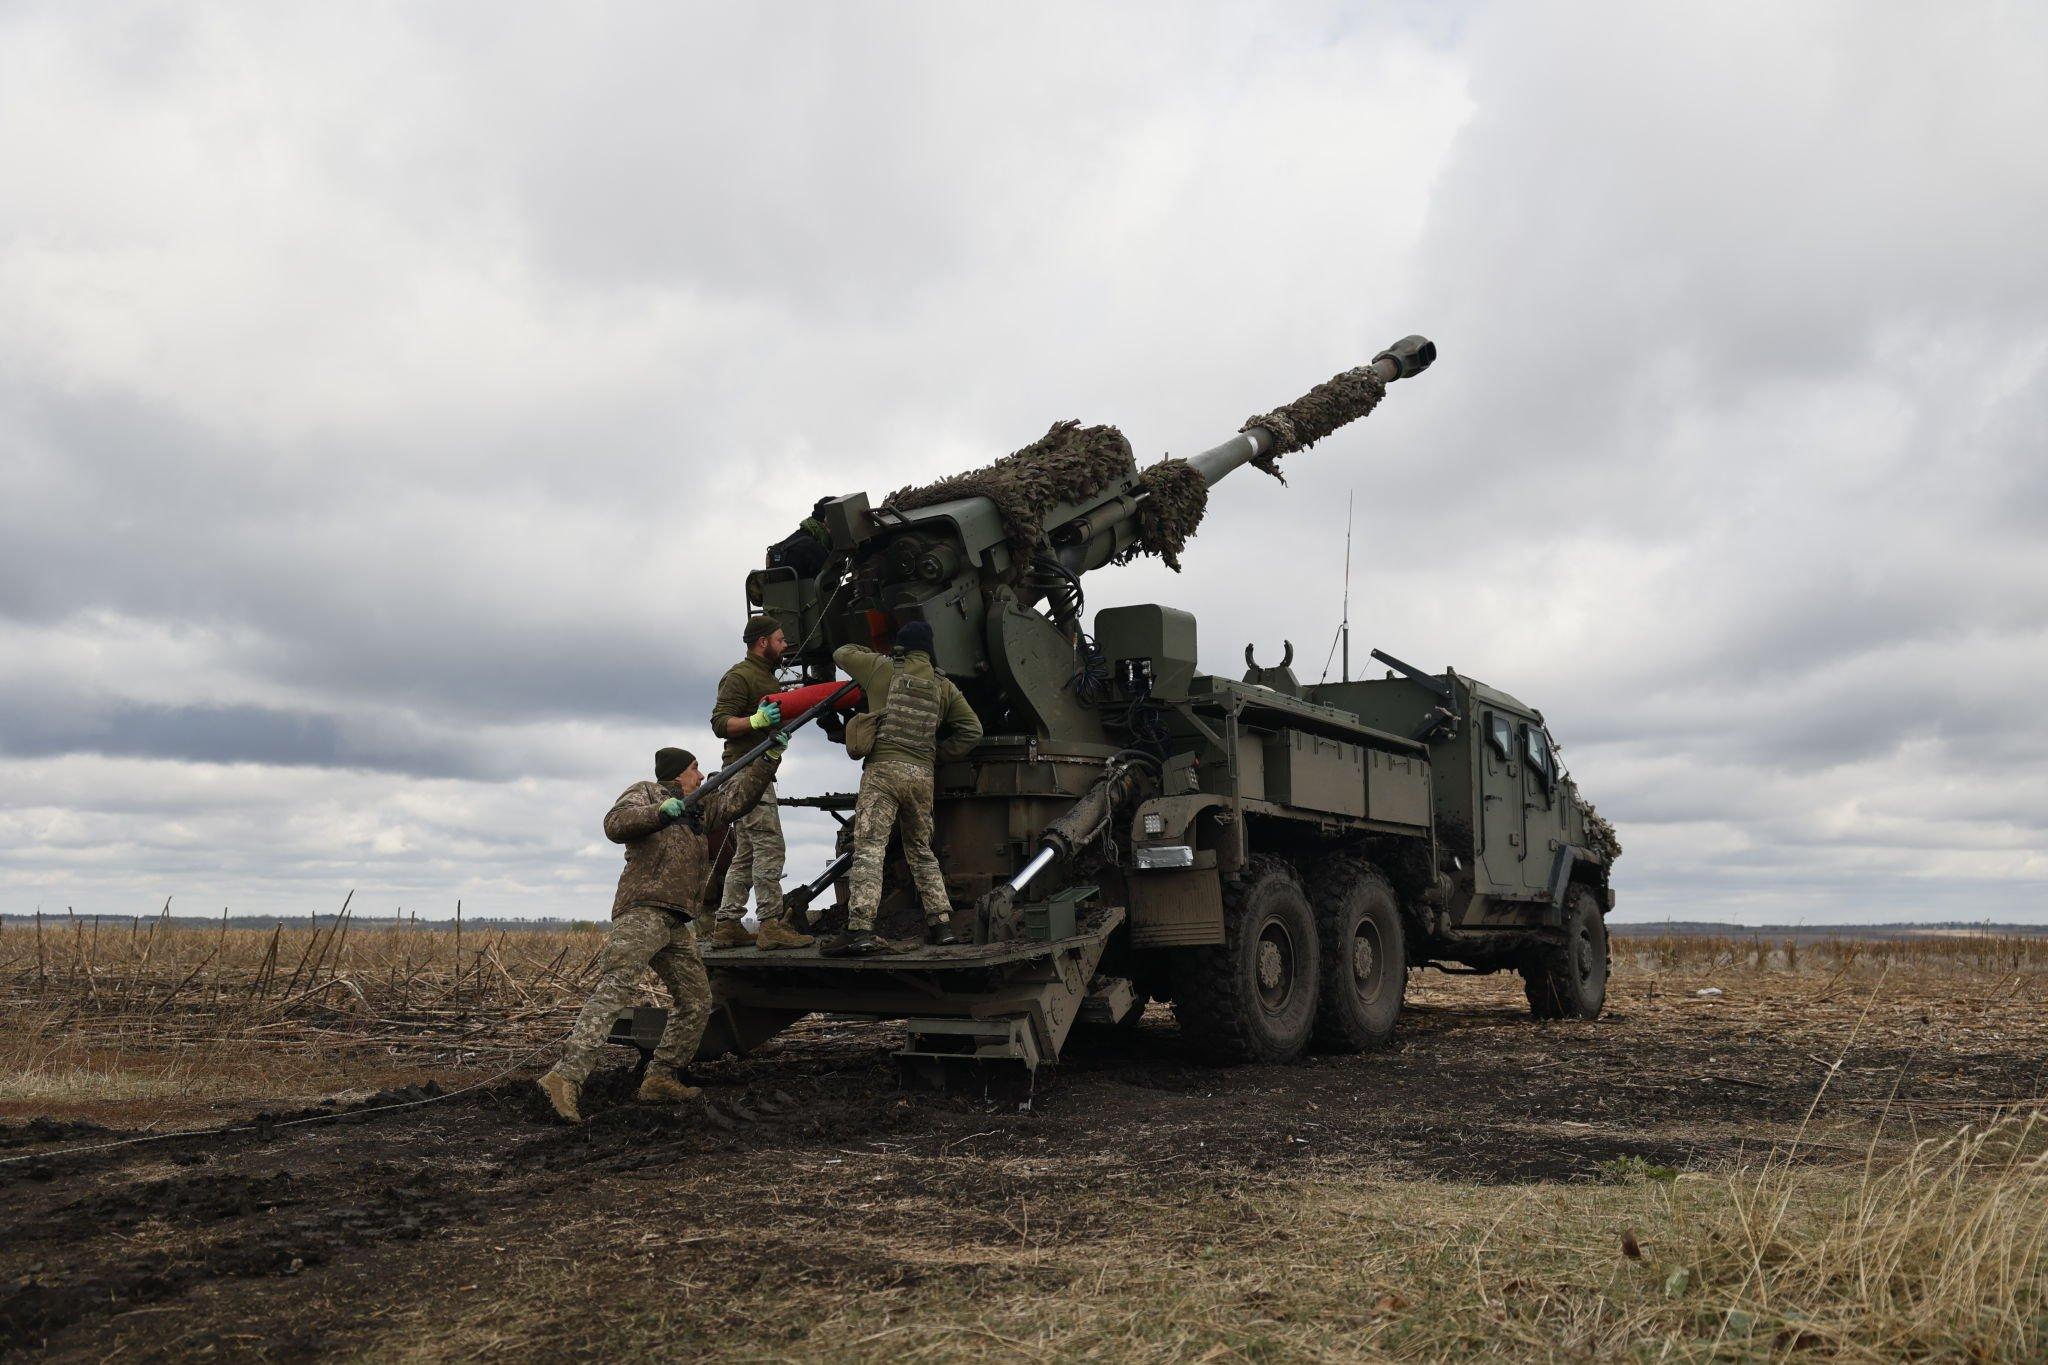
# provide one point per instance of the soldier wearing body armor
(667, 862)
(739, 715)
(917, 705)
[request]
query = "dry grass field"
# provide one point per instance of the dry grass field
(167, 1021)
(1837, 1151)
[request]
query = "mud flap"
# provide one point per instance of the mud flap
(1561, 873)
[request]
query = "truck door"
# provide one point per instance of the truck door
(1542, 811)
(1500, 808)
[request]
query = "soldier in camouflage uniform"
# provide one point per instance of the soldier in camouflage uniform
(667, 865)
(738, 716)
(916, 703)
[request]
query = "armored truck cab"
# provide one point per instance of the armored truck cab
(1517, 847)
(1510, 822)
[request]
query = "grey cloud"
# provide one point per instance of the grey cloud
(231, 734)
(423, 423)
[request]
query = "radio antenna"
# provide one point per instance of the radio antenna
(1346, 626)
(1343, 634)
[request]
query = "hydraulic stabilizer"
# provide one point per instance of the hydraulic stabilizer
(997, 918)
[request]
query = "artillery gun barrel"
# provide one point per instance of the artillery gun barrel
(1093, 538)
(1406, 358)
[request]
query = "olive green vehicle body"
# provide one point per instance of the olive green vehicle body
(1172, 801)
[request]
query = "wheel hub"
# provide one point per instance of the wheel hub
(1363, 959)
(1271, 969)
(1276, 967)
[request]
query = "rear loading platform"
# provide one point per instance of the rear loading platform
(1010, 1002)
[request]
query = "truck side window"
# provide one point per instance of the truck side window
(1501, 734)
(1538, 749)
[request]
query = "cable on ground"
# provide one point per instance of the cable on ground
(226, 1130)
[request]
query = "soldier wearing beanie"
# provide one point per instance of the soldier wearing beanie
(668, 860)
(918, 705)
(739, 714)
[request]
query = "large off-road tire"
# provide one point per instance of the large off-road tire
(1252, 998)
(1569, 981)
(1365, 955)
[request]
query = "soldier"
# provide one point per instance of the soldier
(667, 863)
(916, 703)
(737, 716)
(805, 549)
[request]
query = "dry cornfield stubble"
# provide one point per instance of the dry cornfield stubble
(156, 1018)
(1836, 1151)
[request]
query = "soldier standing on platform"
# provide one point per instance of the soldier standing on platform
(916, 703)
(738, 716)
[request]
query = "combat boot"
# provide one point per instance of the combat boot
(939, 933)
(852, 943)
(776, 933)
(564, 1094)
(730, 933)
(661, 1085)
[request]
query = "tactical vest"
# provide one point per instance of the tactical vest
(910, 723)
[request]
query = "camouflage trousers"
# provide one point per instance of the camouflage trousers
(757, 854)
(639, 939)
(894, 796)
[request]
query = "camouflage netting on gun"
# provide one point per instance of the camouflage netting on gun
(1298, 425)
(1068, 464)
(1600, 835)
(1177, 497)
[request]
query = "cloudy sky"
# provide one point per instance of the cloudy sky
(392, 398)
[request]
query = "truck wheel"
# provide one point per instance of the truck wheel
(1365, 956)
(1569, 981)
(1252, 998)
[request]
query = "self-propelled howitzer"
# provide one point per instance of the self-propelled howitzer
(1271, 858)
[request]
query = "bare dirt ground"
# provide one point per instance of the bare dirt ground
(1137, 1205)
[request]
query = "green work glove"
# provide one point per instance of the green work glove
(781, 743)
(672, 808)
(768, 716)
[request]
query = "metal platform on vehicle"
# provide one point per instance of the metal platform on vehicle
(921, 956)
(974, 1002)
